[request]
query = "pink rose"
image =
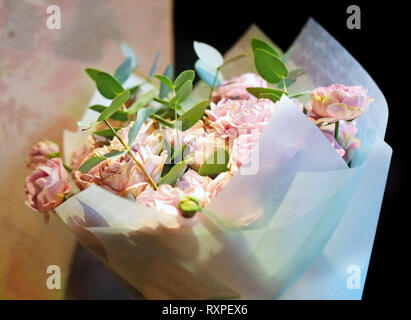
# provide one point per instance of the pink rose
(216, 185)
(41, 152)
(122, 175)
(347, 142)
(186, 137)
(338, 102)
(195, 185)
(47, 186)
(232, 117)
(201, 148)
(241, 149)
(165, 199)
(236, 88)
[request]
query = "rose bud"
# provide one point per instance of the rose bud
(41, 152)
(47, 186)
(339, 102)
(189, 206)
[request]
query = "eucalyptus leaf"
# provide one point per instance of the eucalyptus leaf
(107, 133)
(208, 75)
(178, 154)
(299, 94)
(142, 101)
(93, 73)
(162, 121)
(261, 44)
(269, 96)
(133, 90)
(124, 71)
(191, 117)
(92, 162)
(164, 80)
(154, 66)
(187, 75)
(129, 53)
(208, 54)
(119, 115)
(215, 163)
(257, 92)
(173, 174)
(269, 66)
(142, 115)
(117, 102)
(165, 88)
(184, 91)
(108, 86)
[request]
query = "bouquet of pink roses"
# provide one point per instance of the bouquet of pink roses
(231, 195)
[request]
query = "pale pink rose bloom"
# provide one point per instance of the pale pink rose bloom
(195, 185)
(165, 199)
(216, 185)
(185, 137)
(80, 154)
(122, 175)
(339, 102)
(201, 148)
(347, 140)
(47, 186)
(236, 88)
(231, 117)
(41, 152)
(242, 149)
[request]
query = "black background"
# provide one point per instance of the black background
(378, 46)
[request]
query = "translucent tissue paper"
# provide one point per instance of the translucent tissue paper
(316, 216)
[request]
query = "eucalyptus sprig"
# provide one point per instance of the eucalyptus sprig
(209, 64)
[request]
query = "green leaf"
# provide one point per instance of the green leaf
(162, 121)
(261, 44)
(183, 77)
(173, 174)
(269, 66)
(190, 118)
(108, 86)
(154, 66)
(208, 75)
(257, 92)
(107, 133)
(93, 73)
(164, 80)
(186, 105)
(84, 125)
(215, 163)
(119, 115)
(142, 101)
(178, 154)
(129, 53)
(92, 162)
(117, 102)
(133, 90)
(184, 91)
(270, 96)
(165, 88)
(124, 71)
(208, 54)
(142, 115)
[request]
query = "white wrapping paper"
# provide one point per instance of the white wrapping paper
(316, 215)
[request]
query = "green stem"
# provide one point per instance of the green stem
(285, 87)
(337, 125)
(132, 155)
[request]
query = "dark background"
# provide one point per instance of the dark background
(376, 46)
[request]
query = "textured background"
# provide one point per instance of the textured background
(44, 90)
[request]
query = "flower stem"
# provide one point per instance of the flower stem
(132, 155)
(337, 125)
(285, 87)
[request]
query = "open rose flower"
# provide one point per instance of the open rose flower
(185, 137)
(339, 102)
(122, 175)
(47, 186)
(236, 88)
(232, 117)
(195, 185)
(41, 152)
(201, 148)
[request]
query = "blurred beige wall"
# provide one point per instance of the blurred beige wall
(43, 90)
